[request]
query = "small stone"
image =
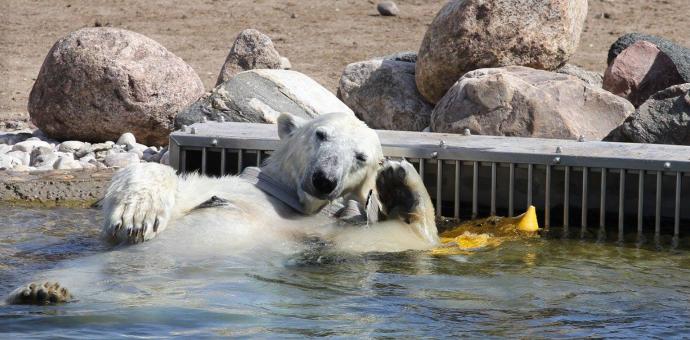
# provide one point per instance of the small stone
(70, 146)
(85, 149)
(44, 161)
(101, 147)
(65, 163)
(121, 160)
(165, 159)
(136, 147)
(29, 144)
(387, 8)
(126, 138)
(40, 151)
(22, 156)
(21, 167)
(285, 63)
(8, 162)
(4, 148)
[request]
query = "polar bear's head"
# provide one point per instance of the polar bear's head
(331, 156)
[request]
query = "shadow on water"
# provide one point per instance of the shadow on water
(546, 287)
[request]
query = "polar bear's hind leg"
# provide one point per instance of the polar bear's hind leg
(39, 294)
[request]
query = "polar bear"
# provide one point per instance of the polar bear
(331, 163)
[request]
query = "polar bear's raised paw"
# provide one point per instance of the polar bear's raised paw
(400, 190)
(403, 196)
(139, 202)
(39, 294)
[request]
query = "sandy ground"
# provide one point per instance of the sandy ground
(319, 37)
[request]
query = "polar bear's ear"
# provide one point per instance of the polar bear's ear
(287, 124)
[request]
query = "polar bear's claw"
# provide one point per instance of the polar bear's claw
(139, 202)
(39, 294)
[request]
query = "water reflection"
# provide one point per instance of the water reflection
(546, 287)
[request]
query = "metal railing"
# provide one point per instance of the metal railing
(570, 182)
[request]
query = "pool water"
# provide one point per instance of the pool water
(536, 288)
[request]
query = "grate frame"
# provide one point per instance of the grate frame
(593, 178)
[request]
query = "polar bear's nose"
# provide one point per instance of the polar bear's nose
(322, 183)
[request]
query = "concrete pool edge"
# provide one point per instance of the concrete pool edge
(54, 188)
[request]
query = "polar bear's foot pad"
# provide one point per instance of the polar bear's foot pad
(398, 186)
(39, 294)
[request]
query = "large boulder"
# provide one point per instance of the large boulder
(251, 50)
(590, 77)
(663, 119)
(383, 94)
(259, 96)
(679, 55)
(520, 101)
(97, 83)
(472, 34)
(640, 71)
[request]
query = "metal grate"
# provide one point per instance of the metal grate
(635, 187)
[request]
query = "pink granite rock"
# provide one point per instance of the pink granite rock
(640, 71)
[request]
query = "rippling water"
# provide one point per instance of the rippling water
(532, 288)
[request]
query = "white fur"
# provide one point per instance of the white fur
(254, 222)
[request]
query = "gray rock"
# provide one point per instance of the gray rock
(663, 119)
(388, 8)
(29, 144)
(97, 83)
(590, 77)
(44, 161)
(126, 138)
(678, 54)
(285, 63)
(101, 147)
(38, 152)
(520, 101)
(84, 150)
(13, 138)
(406, 56)
(260, 96)
(23, 157)
(383, 94)
(470, 34)
(165, 158)
(8, 162)
(251, 50)
(21, 167)
(4, 148)
(65, 163)
(70, 146)
(121, 160)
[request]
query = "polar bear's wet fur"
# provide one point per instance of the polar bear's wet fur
(331, 157)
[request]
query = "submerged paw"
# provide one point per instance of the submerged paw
(40, 294)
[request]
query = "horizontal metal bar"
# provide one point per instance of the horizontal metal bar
(497, 149)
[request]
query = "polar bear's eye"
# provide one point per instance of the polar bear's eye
(321, 135)
(361, 157)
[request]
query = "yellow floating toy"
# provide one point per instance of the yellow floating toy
(487, 232)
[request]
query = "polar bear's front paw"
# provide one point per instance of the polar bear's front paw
(403, 196)
(39, 294)
(139, 202)
(136, 218)
(401, 191)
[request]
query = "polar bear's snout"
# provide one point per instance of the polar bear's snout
(323, 184)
